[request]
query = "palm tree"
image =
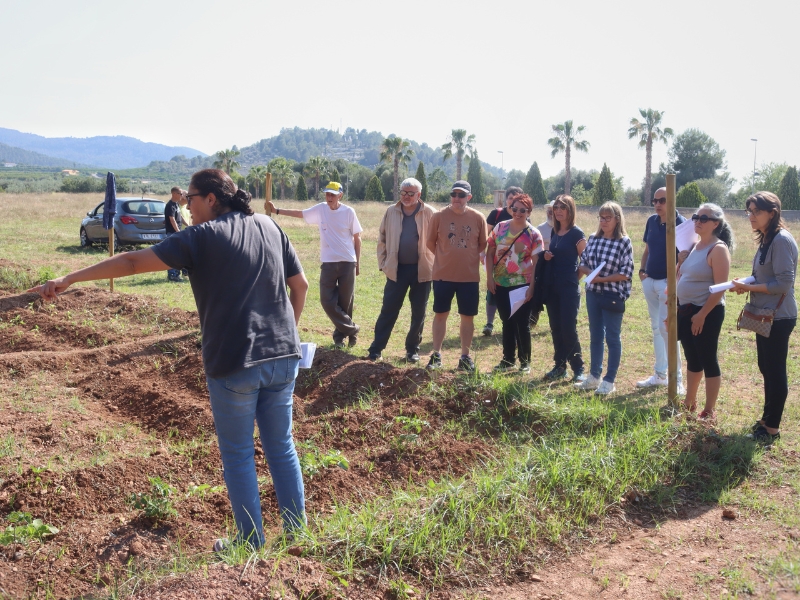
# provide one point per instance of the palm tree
(647, 131)
(225, 160)
(460, 143)
(565, 139)
(281, 169)
(317, 166)
(255, 177)
(396, 151)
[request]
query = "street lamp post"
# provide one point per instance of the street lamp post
(502, 157)
(755, 148)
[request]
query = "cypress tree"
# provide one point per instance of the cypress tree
(690, 196)
(604, 188)
(335, 176)
(475, 178)
(534, 186)
(789, 190)
(302, 191)
(420, 176)
(374, 190)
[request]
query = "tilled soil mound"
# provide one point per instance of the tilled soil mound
(100, 393)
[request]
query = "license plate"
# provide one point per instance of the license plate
(151, 236)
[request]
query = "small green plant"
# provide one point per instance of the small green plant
(203, 489)
(156, 505)
(413, 423)
(314, 461)
(24, 528)
(400, 590)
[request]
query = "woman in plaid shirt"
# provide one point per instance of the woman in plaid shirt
(606, 294)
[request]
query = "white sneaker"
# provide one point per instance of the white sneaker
(681, 390)
(605, 387)
(590, 383)
(651, 381)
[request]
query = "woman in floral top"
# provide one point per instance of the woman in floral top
(511, 254)
(606, 294)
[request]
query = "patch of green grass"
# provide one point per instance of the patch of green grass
(156, 505)
(24, 528)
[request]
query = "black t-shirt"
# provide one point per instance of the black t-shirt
(238, 266)
(498, 215)
(563, 267)
(172, 210)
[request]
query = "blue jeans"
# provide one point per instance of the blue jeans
(172, 273)
(604, 328)
(263, 394)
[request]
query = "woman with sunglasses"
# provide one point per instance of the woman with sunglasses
(606, 294)
(240, 265)
(512, 251)
(701, 313)
(775, 270)
(562, 295)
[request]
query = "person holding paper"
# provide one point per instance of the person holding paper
(775, 271)
(653, 274)
(606, 294)
(240, 265)
(512, 250)
(701, 313)
(562, 295)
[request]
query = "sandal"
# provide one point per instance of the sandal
(690, 408)
(707, 415)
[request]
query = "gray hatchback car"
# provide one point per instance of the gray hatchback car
(137, 221)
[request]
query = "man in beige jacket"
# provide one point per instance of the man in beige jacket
(407, 262)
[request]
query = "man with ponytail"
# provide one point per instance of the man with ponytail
(240, 265)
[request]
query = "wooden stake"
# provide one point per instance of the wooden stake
(267, 193)
(111, 253)
(672, 297)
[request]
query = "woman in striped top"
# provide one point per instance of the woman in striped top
(606, 294)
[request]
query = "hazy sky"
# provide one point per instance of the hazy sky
(209, 74)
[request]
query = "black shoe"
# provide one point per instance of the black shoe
(762, 436)
(465, 364)
(578, 377)
(435, 362)
(555, 374)
(488, 328)
(504, 366)
(412, 357)
(338, 344)
(352, 340)
(374, 356)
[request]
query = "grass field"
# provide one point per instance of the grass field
(536, 476)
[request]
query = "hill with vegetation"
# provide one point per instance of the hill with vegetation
(19, 156)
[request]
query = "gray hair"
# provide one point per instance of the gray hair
(411, 182)
(723, 229)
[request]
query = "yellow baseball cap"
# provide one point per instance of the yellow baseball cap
(334, 187)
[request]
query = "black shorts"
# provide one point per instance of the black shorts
(467, 295)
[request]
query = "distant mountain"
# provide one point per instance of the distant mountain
(111, 152)
(9, 154)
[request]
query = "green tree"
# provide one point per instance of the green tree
(317, 167)
(459, 145)
(566, 138)
(226, 160)
(396, 151)
(374, 190)
(534, 186)
(438, 181)
(647, 131)
(690, 196)
(302, 192)
(255, 178)
(282, 173)
(516, 177)
(603, 190)
(475, 178)
(789, 190)
(768, 179)
(694, 155)
(420, 176)
(335, 176)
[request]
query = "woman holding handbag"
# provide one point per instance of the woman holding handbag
(701, 313)
(512, 250)
(606, 294)
(772, 309)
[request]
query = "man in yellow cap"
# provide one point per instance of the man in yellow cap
(340, 254)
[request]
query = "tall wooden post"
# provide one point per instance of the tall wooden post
(672, 297)
(267, 193)
(111, 253)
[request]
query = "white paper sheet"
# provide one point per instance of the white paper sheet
(308, 349)
(728, 285)
(517, 298)
(685, 236)
(590, 277)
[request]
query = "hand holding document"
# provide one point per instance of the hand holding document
(517, 298)
(685, 236)
(590, 277)
(728, 285)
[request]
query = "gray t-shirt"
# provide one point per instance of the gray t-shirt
(238, 266)
(696, 277)
(408, 252)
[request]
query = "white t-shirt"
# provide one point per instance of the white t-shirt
(336, 231)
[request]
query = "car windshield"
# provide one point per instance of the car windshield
(144, 207)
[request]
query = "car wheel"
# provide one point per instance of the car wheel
(85, 241)
(116, 243)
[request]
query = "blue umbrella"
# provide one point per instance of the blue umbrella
(110, 203)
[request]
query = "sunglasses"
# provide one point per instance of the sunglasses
(659, 201)
(514, 209)
(408, 193)
(703, 218)
(458, 195)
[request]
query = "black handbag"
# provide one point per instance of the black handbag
(611, 302)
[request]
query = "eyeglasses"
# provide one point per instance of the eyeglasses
(514, 209)
(408, 193)
(752, 213)
(659, 201)
(560, 207)
(190, 196)
(458, 195)
(605, 219)
(703, 218)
